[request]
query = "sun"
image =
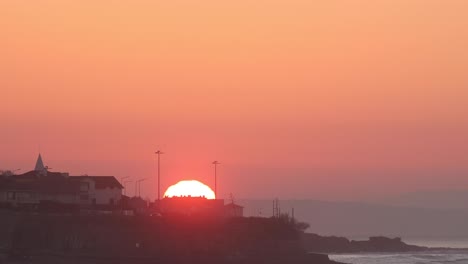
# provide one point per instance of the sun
(190, 188)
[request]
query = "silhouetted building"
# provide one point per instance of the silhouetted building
(99, 189)
(233, 210)
(40, 185)
(188, 205)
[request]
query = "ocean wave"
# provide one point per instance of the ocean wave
(403, 258)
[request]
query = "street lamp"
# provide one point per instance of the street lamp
(125, 186)
(136, 188)
(139, 186)
(215, 163)
(159, 173)
(123, 178)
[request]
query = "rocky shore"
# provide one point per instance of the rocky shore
(333, 244)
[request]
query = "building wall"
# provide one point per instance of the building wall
(2, 196)
(192, 205)
(65, 198)
(101, 196)
(239, 212)
(234, 211)
(25, 197)
(87, 194)
(98, 196)
(19, 197)
(16, 197)
(104, 196)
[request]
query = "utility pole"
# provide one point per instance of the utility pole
(215, 163)
(159, 173)
(276, 208)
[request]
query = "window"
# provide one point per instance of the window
(84, 186)
(23, 195)
(11, 195)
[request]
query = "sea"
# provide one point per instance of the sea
(457, 255)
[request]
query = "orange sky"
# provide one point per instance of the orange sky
(297, 98)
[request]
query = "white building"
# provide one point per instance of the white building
(99, 189)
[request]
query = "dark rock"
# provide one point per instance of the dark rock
(316, 243)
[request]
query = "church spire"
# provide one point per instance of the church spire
(39, 164)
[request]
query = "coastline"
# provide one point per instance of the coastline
(378, 244)
(442, 257)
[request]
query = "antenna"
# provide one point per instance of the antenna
(276, 208)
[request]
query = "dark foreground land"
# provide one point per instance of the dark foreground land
(55, 238)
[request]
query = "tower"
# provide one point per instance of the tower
(39, 164)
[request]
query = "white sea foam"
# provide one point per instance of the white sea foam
(440, 257)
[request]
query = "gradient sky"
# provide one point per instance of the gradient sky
(330, 99)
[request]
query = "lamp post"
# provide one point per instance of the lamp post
(123, 178)
(125, 186)
(139, 186)
(136, 188)
(159, 173)
(215, 163)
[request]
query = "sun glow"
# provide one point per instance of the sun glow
(190, 188)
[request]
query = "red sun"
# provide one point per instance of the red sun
(190, 188)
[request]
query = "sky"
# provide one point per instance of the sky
(333, 100)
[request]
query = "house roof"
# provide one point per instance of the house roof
(54, 182)
(102, 182)
(36, 174)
